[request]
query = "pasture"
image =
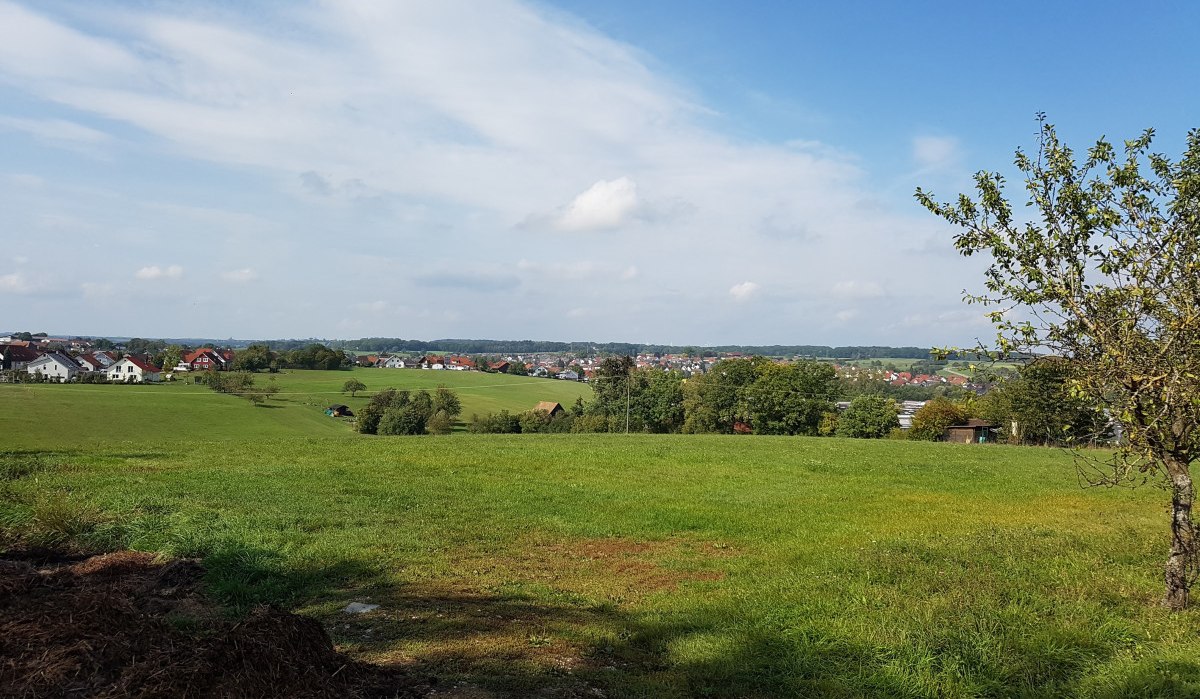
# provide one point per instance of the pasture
(652, 566)
(50, 416)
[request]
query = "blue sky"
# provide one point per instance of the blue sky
(688, 173)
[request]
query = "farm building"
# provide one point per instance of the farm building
(339, 411)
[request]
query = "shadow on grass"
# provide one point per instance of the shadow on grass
(512, 642)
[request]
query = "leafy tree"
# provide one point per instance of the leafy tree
(257, 357)
(868, 417)
(447, 401)
(407, 420)
(518, 369)
(1106, 272)
(714, 401)
(368, 419)
(353, 386)
(791, 398)
(1040, 402)
(440, 423)
(931, 420)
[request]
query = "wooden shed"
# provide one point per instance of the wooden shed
(550, 407)
(974, 432)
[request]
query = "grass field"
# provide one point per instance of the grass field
(51, 416)
(650, 566)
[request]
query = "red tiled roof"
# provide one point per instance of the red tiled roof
(144, 366)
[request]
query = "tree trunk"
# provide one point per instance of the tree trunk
(1181, 562)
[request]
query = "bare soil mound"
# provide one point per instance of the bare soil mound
(124, 625)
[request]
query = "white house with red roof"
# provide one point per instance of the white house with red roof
(133, 370)
(460, 364)
(205, 359)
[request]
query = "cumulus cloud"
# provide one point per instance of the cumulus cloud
(153, 272)
(603, 206)
(241, 276)
(744, 291)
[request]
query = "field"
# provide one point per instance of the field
(49, 416)
(641, 565)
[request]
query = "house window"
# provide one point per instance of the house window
(129, 369)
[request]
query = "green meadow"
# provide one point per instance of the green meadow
(49, 416)
(636, 565)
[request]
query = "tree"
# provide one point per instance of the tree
(1105, 272)
(353, 386)
(791, 398)
(254, 358)
(1040, 403)
(931, 420)
(868, 417)
(447, 401)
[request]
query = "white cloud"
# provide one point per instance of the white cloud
(936, 152)
(239, 276)
(603, 206)
(744, 291)
(155, 272)
(398, 143)
(846, 315)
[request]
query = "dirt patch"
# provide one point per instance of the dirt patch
(630, 568)
(126, 625)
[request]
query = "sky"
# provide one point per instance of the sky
(689, 173)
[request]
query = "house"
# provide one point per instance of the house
(90, 362)
(430, 361)
(133, 370)
(339, 411)
(974, 432)
(500, 367)
(550, 408)
(568, 375)
(401, 363)
(460, 364)
(54, 366)
(16, 355)
(205, 359)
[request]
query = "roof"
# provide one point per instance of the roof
(56, 357)
(548, 406)
(144, 366)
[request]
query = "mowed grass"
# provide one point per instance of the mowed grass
(663, 566)
(52, 416)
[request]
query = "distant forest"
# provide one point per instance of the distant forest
(460, 346)
(391, 344)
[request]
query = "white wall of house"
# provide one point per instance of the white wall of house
(124, 369)
(52, 368)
